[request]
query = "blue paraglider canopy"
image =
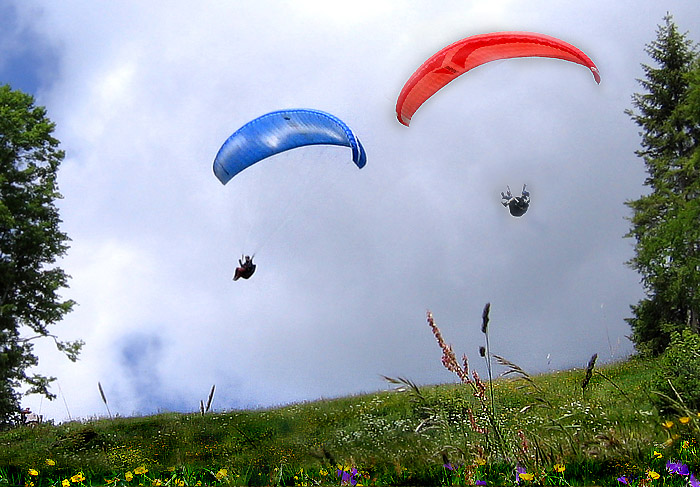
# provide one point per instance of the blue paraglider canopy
(280, 131)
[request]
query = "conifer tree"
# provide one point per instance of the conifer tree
(666, 221)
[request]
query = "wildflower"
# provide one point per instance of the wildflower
(50, 462)
(678, 468)
(449, 466)
(653, 475)
(33, 472)
(684, 420)
(128, 476)
(180, 483)
(348, 477)
(78, 478)
(657, 454)
(668, 424)
(558, 467)
(693, 481)
(623, 480)
(480, 482)
(157, 482)
(221, 474)
(323, 472)
(685, 445)
(65, 483)
(140, 470)
(480, 461)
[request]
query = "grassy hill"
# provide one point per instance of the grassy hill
(424, 435)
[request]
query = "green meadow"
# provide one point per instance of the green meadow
(535, 430)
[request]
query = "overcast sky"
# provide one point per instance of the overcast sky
(143, 94)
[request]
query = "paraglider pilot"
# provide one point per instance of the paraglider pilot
(246, 269)
(517, 205)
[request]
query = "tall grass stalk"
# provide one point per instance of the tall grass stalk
(485, 331)
(104, 399)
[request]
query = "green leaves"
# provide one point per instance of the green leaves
(30, 243)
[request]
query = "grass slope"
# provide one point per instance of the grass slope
(391, 438)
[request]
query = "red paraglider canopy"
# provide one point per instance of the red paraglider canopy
(458, 58)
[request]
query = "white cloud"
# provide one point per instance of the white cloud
(348, 259)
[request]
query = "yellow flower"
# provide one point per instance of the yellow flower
(657, 454)
(128, 476)
(77, 478)
(323, 472)
(684, 420)
(527, 476)
(198, 484)
(668, 424)
(33, 472)
(65, 483)
(29, 484)
(685, 444)
(180, 483)
(157, 482)
(140, 470)
(50, 462)
(653, 475)
(558, 467)
(221, 474)
(480, 461)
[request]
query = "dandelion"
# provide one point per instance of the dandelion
(128, 476)
(50, 462)
(657, 454)
(65, 483)
(221, 474)
(684, 420)
(558, 467)
(527, 476)
(668, 424)
(653, 475)
(33, 472)
(678, 468)
(140, 470)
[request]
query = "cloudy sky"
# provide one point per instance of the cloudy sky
(143, 95)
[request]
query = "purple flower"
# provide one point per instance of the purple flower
(678, 468)
(518, 471)
(480, 482)
(348, 477)
(623, 480)
(693, 481)
(449, 466)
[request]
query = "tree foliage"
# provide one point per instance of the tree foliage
(666, 222)
(30, 243)
(677, 381)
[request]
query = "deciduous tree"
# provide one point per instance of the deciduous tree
(30, 243)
